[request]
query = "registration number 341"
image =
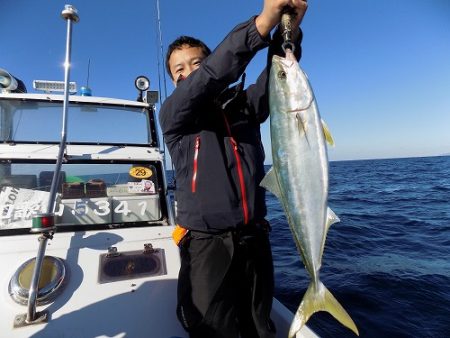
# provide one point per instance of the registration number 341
(103, 208)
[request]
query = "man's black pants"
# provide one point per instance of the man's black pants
(225, 285)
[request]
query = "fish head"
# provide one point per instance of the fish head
(289, 88)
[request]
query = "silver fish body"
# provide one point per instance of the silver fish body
(299, 178)
(300, 158)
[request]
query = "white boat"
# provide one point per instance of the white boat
(110, 266)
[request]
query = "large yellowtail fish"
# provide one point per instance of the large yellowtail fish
(299, 178)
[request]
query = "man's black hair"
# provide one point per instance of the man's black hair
(179, 43)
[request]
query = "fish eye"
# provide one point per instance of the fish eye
(282, 75)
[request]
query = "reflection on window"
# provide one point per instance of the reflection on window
(88, 194)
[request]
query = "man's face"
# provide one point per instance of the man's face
(184, 61)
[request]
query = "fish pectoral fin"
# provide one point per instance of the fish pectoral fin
(301, 125)
(320, 299)
(327, 133)
(270, 183)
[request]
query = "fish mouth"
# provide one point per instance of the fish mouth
(282, 61)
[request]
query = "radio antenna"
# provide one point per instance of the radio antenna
(86, 90)
(160, 54)
(89, 67)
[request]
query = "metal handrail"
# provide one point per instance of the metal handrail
(70, 14)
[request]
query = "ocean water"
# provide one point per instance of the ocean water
(388, 260)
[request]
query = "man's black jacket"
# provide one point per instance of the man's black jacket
(213, 135)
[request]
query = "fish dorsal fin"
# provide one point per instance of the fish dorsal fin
(327, 133)
(270, 183)
(331, 218)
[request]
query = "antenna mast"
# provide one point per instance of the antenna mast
(86, 90)
(160, 55)
(89, 67)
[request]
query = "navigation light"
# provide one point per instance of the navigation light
(43, 223)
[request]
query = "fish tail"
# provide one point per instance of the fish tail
(318, 298)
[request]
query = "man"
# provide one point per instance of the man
(225, 285)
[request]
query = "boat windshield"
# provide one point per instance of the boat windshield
(89, 194)
(41, 121)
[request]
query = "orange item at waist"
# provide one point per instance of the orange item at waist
(178, 234)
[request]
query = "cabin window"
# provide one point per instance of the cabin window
(39, 121)
(87, 193)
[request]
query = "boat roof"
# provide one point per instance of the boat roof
(73, 99)
(80, 152)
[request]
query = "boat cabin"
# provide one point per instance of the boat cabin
(110, 266)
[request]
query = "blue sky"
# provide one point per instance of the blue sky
(380, 69)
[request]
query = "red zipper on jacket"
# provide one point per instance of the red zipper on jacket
(234, 145)
(194, 175)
